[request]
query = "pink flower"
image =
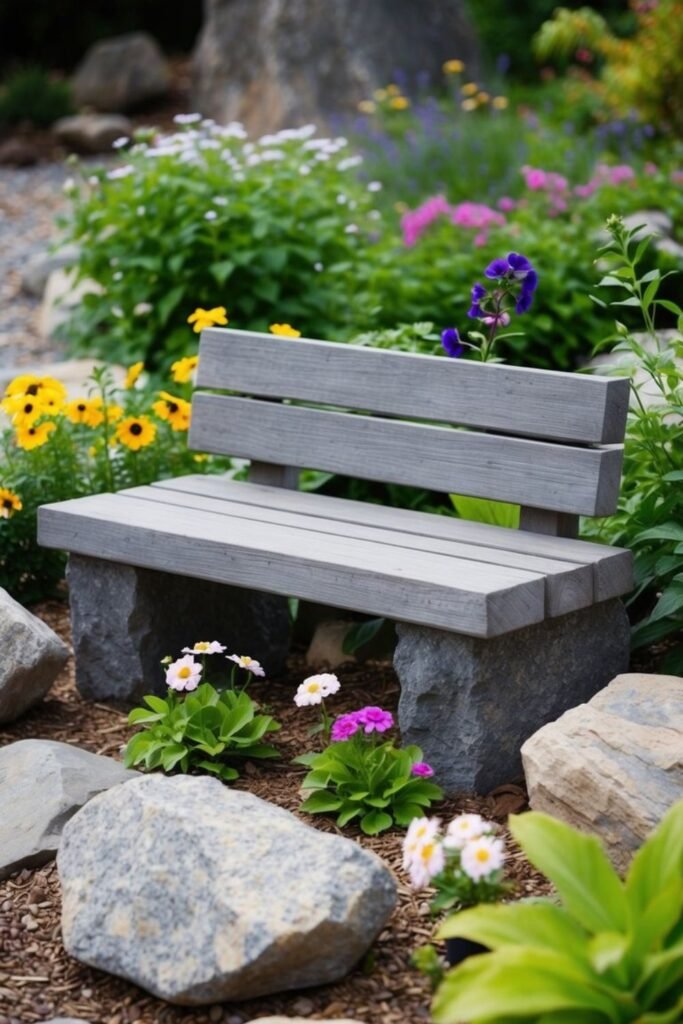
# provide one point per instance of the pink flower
(650, 168)
(345, 726)
(534, 178)
(422, 769)
(505, 203)
(374, 719)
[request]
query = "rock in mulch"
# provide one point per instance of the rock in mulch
(35, 273)
(32, 657)
(612, 766)
(203, 894)
(121, 73)
(91, 133)
(42, 784)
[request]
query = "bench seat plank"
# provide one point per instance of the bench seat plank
(612, 568)
(569, 586)
(441, 591)
(512, 400)
(583, 481)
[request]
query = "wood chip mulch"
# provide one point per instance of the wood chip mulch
(38, 980)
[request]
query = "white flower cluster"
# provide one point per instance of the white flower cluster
(469, 842)
(314, 689)
(185, 673)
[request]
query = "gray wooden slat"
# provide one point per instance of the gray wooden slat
(568, 586)
(512, 400)
(421, 587)
(563, 478)
(538, 520)
(612, 567)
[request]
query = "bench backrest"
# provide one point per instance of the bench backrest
(549, 441)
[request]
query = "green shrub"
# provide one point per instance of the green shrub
(33, 95)
(610, 953)
(277, 227)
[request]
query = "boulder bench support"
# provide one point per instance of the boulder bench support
(470, 704)
(500, 630)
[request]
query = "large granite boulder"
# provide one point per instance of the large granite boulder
(121, 73)
(202, 894)
(125, 620)
(42, 783)
(612, 766)
(280, 63)
(32, 657)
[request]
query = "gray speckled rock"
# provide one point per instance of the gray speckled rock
(32, 656)
(121, 72)
(36, 271)
(42, 783)
(202, 894)
(125, 620)
(91, 133)
(471, 703)
(612, 766)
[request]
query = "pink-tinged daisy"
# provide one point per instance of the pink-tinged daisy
(420, 831)
(464, 828)
(184, 674)
(245, 662)
(428, 860)
(328, 683)
(205, 647)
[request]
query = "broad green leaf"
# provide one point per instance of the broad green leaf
(222, 270)
(658, 864)
(538, 924)
(518, 982)
(578, 866)
(375, 821)
(347, 814)
(321, 802)
(361, 633)
(140, 715)
(172, 754)
(156, 704)
(667, 531)
(669, 603)
(481, 510)
(606, 950)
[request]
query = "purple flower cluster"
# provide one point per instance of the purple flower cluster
(514, 278)
(369, 719)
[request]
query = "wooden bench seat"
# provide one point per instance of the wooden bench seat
(476, 602)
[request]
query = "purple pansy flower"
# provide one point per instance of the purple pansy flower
(422, 770)
(345, 726)
(498, 268)
(450, 339)
(478, 293)
(374, 719)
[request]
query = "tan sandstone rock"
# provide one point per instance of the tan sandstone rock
(612, 766)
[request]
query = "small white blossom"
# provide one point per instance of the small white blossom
(187, 118)
(141, 211)
(482, 856)
(220, 201)
(120, 142)
(374, 186)
(142, 308)
(349, 162)
(420, 830)
(318, 266)
(120, 172)
(205, 647)
(351, 229)
(250, 664)
(210, 215)
(118, 276)
(342, 199)
(304, 169)
(69, 185)
(117, 311)
(93, 180)
(464, 828)
(184, 674)
(429, 860)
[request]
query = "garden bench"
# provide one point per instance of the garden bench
(499, 630)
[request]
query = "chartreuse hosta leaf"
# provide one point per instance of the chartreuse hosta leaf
(578, 867)
(539, 924)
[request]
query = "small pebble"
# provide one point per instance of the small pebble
(304, 1007)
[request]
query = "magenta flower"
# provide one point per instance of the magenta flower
(345, 726)
(422, 769)
(374, 719)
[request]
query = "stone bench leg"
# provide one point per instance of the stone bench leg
(471, 703)
(125, 620)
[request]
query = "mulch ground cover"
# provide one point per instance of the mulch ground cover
(38, 979)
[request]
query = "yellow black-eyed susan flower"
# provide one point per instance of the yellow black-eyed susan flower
(285, 330)
(85, 410)
(203, 318)
(176, 411)
(34, 435)
(9, 503)
(133, 374)
(183, 369)
(136, 432)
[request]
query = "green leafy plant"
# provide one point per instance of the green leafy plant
(205, 729)
(611, 952)
(365, 779)
(650, 515)
(204, 209)
(32, 95)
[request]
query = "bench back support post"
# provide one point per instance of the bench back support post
(552, 524)
(274, 476)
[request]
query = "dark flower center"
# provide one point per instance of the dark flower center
(136, 429)
(29, 407)
(32, 389)
(81, 407)
(172, 406)
(7, 503)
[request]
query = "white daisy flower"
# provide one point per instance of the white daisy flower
(482, 856)
(464, 828)
(184, 674)
(250, 664)
(210, 215)
(328, 682)
(187, 118)
(420, 831)
(428, 860)
(205, 647)
(374, 186)
(121, 142)
(120, 172)
(311, 691)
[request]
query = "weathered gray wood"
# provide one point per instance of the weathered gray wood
(512, 400)
(273, 475)
(612, 567)
(553, 524)
(416, 586)
(559, 477)
(568, 586)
